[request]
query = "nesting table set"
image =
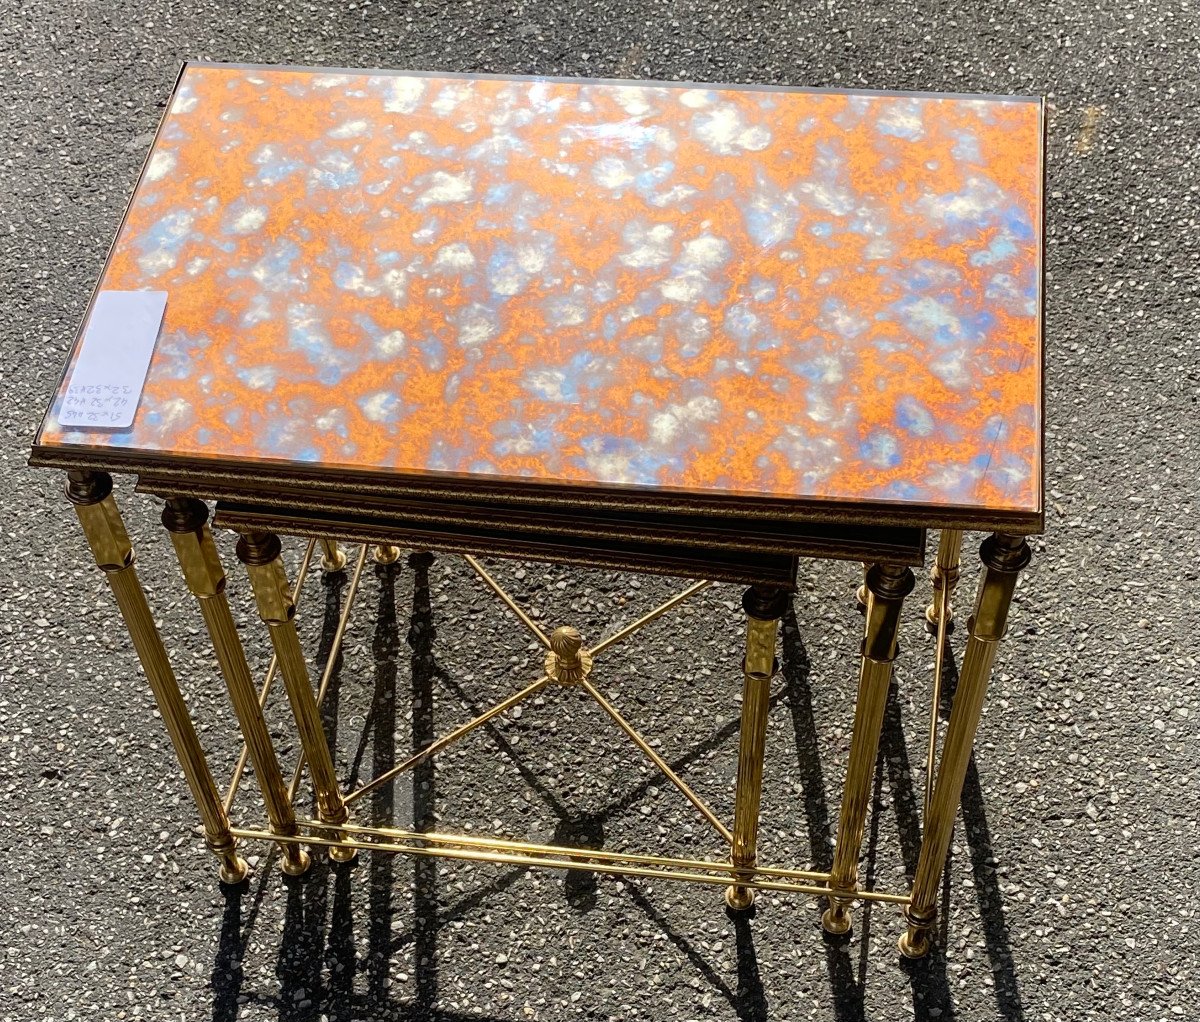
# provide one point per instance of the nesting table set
(687, 330)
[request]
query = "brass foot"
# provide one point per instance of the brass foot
(387, 554)
(334, 558)
(836, 919)
(343, 853)
(234, 870)
(915, 942)
(739, 899)
(931, 620)
(296, 861)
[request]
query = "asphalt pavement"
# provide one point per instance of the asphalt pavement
(1075, 875)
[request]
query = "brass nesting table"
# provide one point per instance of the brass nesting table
(697, 331)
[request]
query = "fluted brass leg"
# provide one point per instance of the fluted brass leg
(860, 594)
(261, 553)
(91, 493)
(333, 558)
(939, 619)
(1003, 558)
(887, 585)
(186, 519)
(944, 576)
(764, 607)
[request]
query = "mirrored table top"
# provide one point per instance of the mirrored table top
(825, 298)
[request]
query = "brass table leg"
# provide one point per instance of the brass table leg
(333, 558)
(91, 493)
(887, 585)
(764, 607)
(186, 519)
(939, 620)
(1003, 558)
(261, 553)
(944, 576)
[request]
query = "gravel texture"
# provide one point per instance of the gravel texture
(1075, 872)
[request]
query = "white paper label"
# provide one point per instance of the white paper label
(114, 355)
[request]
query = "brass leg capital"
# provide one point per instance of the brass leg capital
(1003, 552)
(887, 586)
(184, 514)
(85, 487)
(91, 493)
(765, 603)
(258, 548)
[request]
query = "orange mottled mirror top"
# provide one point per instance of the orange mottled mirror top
(832, 298)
